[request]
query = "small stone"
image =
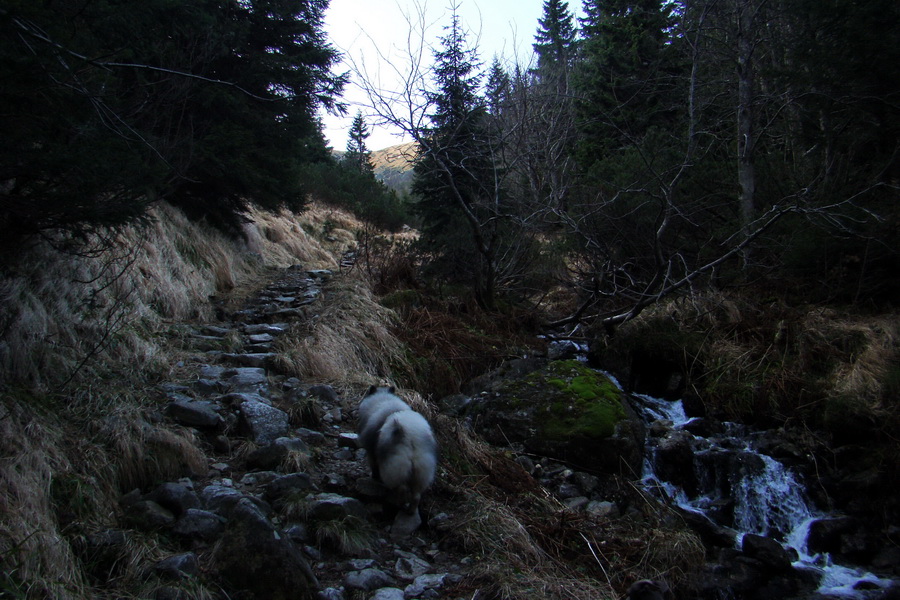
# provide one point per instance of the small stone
(410, 567)
(327, 507)
(388, 594)
(576, 502)
(343, 454)
(368, 580)
(602, 509)
(330, 594)
(422, 584)
(358, 564)
(348, 440)
(313, 438)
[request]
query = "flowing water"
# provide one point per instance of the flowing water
(750, 492)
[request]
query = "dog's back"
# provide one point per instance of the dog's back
(406, 454)
(400, 445)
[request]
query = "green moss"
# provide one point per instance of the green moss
(588, 403)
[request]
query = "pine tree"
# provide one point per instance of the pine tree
(358, 155)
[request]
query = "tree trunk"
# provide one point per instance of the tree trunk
(745, 114)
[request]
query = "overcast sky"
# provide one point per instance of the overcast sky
(356, 27)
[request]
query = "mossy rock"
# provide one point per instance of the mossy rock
(565, 410)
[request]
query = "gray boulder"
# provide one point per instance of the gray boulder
(263, 423)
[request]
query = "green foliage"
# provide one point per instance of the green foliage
(112, 104)
(343, 185)
(358, 155)
(555, 38)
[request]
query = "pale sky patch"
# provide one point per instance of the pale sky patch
(376, 32)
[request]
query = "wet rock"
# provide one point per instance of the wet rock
(703, 427)
(826, 535)
(767, 551)
(675, 461)
(712, 534)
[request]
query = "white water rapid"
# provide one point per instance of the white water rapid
(760, 494)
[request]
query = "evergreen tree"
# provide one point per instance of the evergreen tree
(111, 104)
(627, 75)
(498, 90)
(358, 154)
(555, 38)
(454, 180)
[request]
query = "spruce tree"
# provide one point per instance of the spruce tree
(554, 42)
(454, 180)
(625, 78)
(358, 155)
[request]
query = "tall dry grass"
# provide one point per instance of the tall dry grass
(78, 313)
(349, 343)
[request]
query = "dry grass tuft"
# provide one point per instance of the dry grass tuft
(33, 555)
(282, 240)
(349, 343)
(349, 535)
(147, 454)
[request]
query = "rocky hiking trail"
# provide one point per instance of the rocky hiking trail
(283, 511)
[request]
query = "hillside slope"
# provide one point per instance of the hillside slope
(393, 165)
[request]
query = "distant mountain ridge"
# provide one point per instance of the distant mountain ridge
(393, 165)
